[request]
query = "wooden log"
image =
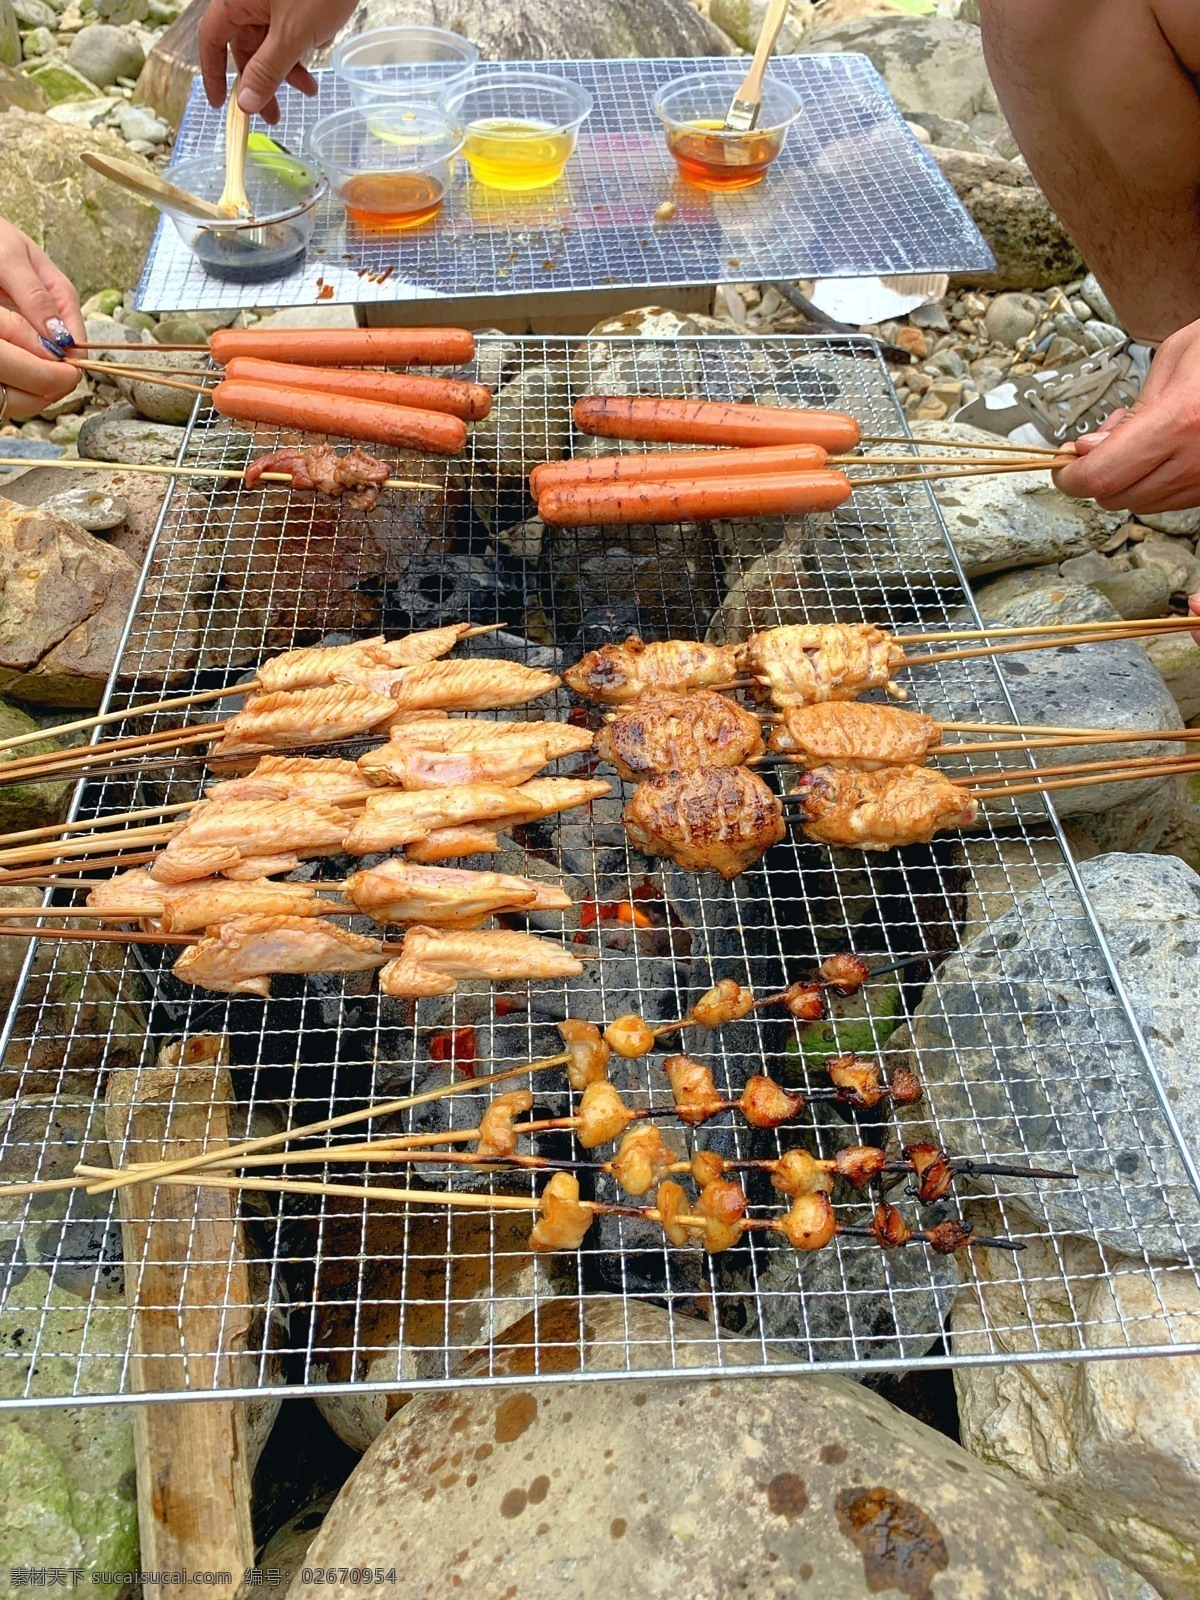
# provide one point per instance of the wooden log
(187, 1284)
(165, 82)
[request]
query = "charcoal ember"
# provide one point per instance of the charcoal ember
(611, 622)
(529, 423)
(669, 575)
(433, 589)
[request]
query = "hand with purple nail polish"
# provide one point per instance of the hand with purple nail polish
(33, 287)
(40, 320)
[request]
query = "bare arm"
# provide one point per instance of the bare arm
(1102, 98)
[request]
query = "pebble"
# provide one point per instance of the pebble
(1098, 335)
(29, 449)
(1091, 292)
(97, 512)
(1081, 309)
(1060, 350)
(75, 401)
(180, 330)
(912, 340)
(136, 122)
(1011, 318)
(932, 317)
(35, 14)
(36, 43)
(103, 54)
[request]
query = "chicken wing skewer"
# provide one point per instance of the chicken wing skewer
(241, 955)
(880, 810)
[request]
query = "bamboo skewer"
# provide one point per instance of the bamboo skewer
(1132, 630)
(79, 464)
(1131, 765)
(30, 875)
(1044, 628)
(176, 703)
(1003, 446)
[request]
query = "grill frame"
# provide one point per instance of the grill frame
(814, 367)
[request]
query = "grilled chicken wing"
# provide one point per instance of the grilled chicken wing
(854, 733)
(247, 869)
(512, 754)
(618, 673)
(392, 818)
(303, 716)
(879, 810)
(447, 844)
(433, 962)
(399, 891)
(241, 956)
(133, 891)
(476, 685)
(220, 833)
(806, 663)
(666, 733)
(279, 777)
(723, 818)
(198, 905)
(544, 796)
(320, 665)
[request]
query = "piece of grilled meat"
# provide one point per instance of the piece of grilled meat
(617, 674)
(718, 818)
(855, 733)
(880, 810)
(667, 733)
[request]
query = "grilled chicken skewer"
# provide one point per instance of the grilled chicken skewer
(394, 891)
(880, 810)
(603, 1116)
(664, 733)
(644, 1159)
(617, 674)
(241, 955)
(717, 1220)
(433, 960)
(391, 819)
(404, 891)
(715, 818)
(433, 755)
(373, 699)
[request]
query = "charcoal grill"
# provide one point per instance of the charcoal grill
(358, 1297)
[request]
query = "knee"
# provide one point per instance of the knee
(1020, 26)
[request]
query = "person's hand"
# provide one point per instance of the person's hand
(33, 287)
(30, 375)
(1147, 458)
(268, 39)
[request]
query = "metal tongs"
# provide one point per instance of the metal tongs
(742, 116)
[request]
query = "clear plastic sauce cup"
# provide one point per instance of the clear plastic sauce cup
(283, 193)
(520, 127)
(415, 65)
(693, 111)
(389, 166)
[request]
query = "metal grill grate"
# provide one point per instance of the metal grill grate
(347, 1295)
(852, 193)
